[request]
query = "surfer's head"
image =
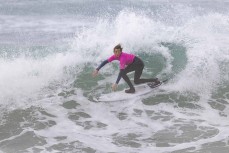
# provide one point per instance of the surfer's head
(118, 50)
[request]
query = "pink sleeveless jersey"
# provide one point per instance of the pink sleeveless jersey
(124, 59)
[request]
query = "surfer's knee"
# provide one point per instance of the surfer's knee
(136, 82)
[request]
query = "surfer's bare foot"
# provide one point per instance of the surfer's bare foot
(156, 82)
(131, 90)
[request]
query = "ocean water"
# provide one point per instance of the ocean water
(49, 49)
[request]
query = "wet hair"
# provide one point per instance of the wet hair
(118, 47)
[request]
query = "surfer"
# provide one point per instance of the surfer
(128, 63)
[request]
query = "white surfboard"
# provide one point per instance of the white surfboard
(140, 90)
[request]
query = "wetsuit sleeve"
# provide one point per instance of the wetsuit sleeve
(102, 64)
(119, 76)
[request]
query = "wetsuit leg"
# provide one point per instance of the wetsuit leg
(139, 66)
(128, 69)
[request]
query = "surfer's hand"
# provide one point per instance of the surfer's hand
(95, 73)
(114, 86)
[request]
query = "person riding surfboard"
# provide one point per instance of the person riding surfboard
(128, 63)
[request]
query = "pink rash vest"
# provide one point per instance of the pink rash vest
(124, 58)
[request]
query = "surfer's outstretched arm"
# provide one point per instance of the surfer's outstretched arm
(102, 64)
(95, 73)
(115, 85)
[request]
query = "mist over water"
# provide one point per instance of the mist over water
(48, 50)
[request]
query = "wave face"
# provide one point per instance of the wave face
(48, 51)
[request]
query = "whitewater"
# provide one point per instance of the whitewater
(49, 49)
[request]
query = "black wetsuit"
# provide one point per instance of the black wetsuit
(136, 66)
